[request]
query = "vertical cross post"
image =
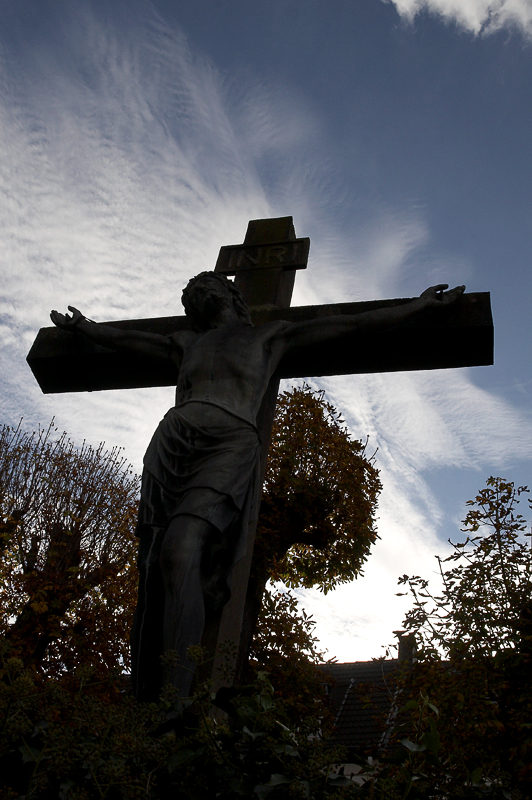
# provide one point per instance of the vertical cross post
(264, 268)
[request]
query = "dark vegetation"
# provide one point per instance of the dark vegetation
(69, 728)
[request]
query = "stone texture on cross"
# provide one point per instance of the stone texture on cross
(264, 269)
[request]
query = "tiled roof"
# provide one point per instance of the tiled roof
(362, 694)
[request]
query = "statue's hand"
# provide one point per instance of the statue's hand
(436, 296)
(68, 323)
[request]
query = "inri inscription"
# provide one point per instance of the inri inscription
(284, 255)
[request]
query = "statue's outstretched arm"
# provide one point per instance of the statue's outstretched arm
(316, 331)
(150, 344)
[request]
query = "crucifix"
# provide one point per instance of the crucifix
(204, 465)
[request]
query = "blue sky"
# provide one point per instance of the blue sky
(138, 137)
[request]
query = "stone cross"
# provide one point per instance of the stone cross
(264, 269)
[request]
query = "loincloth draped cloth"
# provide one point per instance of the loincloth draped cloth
(204, 467)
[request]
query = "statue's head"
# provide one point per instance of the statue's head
(207, 290)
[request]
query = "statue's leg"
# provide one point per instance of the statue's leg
(184, 614)
(147, 630)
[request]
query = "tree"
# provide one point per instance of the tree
(485, 592)
(466, 723)
(317, 520)
(67, 550)
(317, 514)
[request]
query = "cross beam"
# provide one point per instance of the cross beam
(460, 335)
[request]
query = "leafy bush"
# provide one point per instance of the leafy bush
(76, 738)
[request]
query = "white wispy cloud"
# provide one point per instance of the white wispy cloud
(121, 176)
(475, 16)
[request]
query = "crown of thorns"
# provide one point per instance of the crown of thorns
(195, 313)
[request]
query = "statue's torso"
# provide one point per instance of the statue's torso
(229, 367)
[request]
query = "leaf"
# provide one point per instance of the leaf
(432, 741)
(412, 746)
(65, 787)
(410, 706)
(180, 757)
(30, 753)
(339, 780)
(287, 749)
(255, 735)
(476, 776)
(263, 790)
(266, 702)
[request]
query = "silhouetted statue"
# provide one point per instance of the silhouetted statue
(201, 467)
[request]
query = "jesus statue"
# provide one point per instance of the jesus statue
(201, 467)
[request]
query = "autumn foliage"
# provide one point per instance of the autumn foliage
(67, 551)
(317, 520)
